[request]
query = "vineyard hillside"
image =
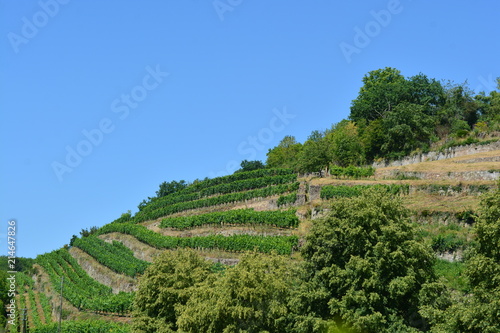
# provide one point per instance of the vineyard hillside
(265, 210)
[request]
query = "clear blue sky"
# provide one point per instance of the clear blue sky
(241, 75)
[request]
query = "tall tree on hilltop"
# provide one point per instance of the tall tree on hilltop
(382, 90)
(285, 154)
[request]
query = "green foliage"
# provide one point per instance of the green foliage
(237, 243)
(166, 285)
(446, 243)
(453, 273)
(81, 290)
(250, 166)
(426, 92)
(181, 292)
(253, 296)
(285, 154)
(373, 137)
(3, 318)
(459, 128)
(4, 286)
(83, 326)
(345, 147)
(125, 217)
(88, 232)
(314, 156)
(489, 109)
(282, 219)
(466, 216)
(366, 255)
(459, 105)
(116, 256)
(47, 308)
(478, 311)
(167, 188)
(345, 191)
(407, 128)
(467, 141)
(382, 90)
(21, 265)
(287, 199)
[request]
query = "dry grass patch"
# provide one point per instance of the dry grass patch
(422, 201)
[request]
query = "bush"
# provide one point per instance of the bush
(446, 243)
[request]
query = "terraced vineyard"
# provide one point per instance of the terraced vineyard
(116, 256)
(37, 305)
(234, 243)
(87, 295)
(209, 215)
(79, 288)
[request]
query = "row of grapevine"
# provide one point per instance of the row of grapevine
(37, 321)
(236, 243)
(236, 177)
(27, 299)
(287, 199)
(351, 172)
(115, 256)
(338, 191)
(212, 201)
(47, 308)
(81, 290)
(22, 281)
(225, 188)
(83, 326)
(282, 219)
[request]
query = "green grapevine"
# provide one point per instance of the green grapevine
(284, 219)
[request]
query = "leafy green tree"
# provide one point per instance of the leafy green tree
(250, 166)
(344, 144)
(285, 154)
(252, 296)
(372, 136)
(4, 298)
(125, 217)
(167, 188)
(21, 265)
(382, 90)
(459, 105)
(314, 155)
(426, 92)
(489, 107)
(407, 127)
(166, 284)
(366, 256)
(91, 231)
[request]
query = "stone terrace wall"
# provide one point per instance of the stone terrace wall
(436, 156)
